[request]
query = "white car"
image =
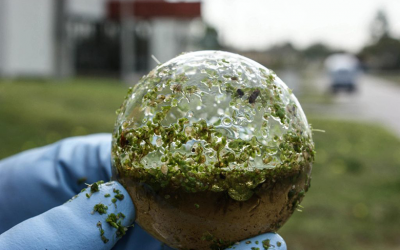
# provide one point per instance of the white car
(343, 71)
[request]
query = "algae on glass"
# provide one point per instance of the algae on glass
(213, 148)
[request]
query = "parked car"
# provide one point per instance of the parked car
(343, 70)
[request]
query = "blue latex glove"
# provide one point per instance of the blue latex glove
(37, 180)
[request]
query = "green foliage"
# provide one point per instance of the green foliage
(384, 54)
(317, 51)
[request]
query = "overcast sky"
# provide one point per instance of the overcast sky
(258, 24)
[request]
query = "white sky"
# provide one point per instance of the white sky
(258, 24)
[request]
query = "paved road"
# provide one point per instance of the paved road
(376, 100)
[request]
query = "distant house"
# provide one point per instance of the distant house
(26, 38)
(64, 38)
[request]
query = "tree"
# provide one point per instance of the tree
(382, 55)
(210, 39)
(384, 52)
(317, 51)
(379, 26)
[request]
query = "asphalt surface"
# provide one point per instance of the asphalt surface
(375, 100)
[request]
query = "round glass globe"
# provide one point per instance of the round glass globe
(213, 148)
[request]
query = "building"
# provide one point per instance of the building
(64, 38)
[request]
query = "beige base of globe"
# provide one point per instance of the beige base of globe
(213, 220)
(213, 148)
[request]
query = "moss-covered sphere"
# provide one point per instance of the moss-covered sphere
(212, 129)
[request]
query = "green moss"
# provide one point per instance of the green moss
(233, 164)
(103, 238)
(266, 244)
(119, 196)
(193, 173)
(100, 208)
(216, 244)
(95, 186)
(115, 221)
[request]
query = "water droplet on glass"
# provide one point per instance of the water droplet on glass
(148, 111)
(220, 98)
(227, 121)
(251, 127)
(249, 117)
(188, 130)
(210, 154)
(158, 142)
(272, 151)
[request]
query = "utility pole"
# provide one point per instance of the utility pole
(127, 39)
(63, 57)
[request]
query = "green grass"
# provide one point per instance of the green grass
(354, 201)
(35, 113)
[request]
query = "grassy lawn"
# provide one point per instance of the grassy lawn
(354, 201)
(35, 113)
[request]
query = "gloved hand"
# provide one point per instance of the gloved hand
(36, 183)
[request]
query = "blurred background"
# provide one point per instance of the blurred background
(65, 67)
